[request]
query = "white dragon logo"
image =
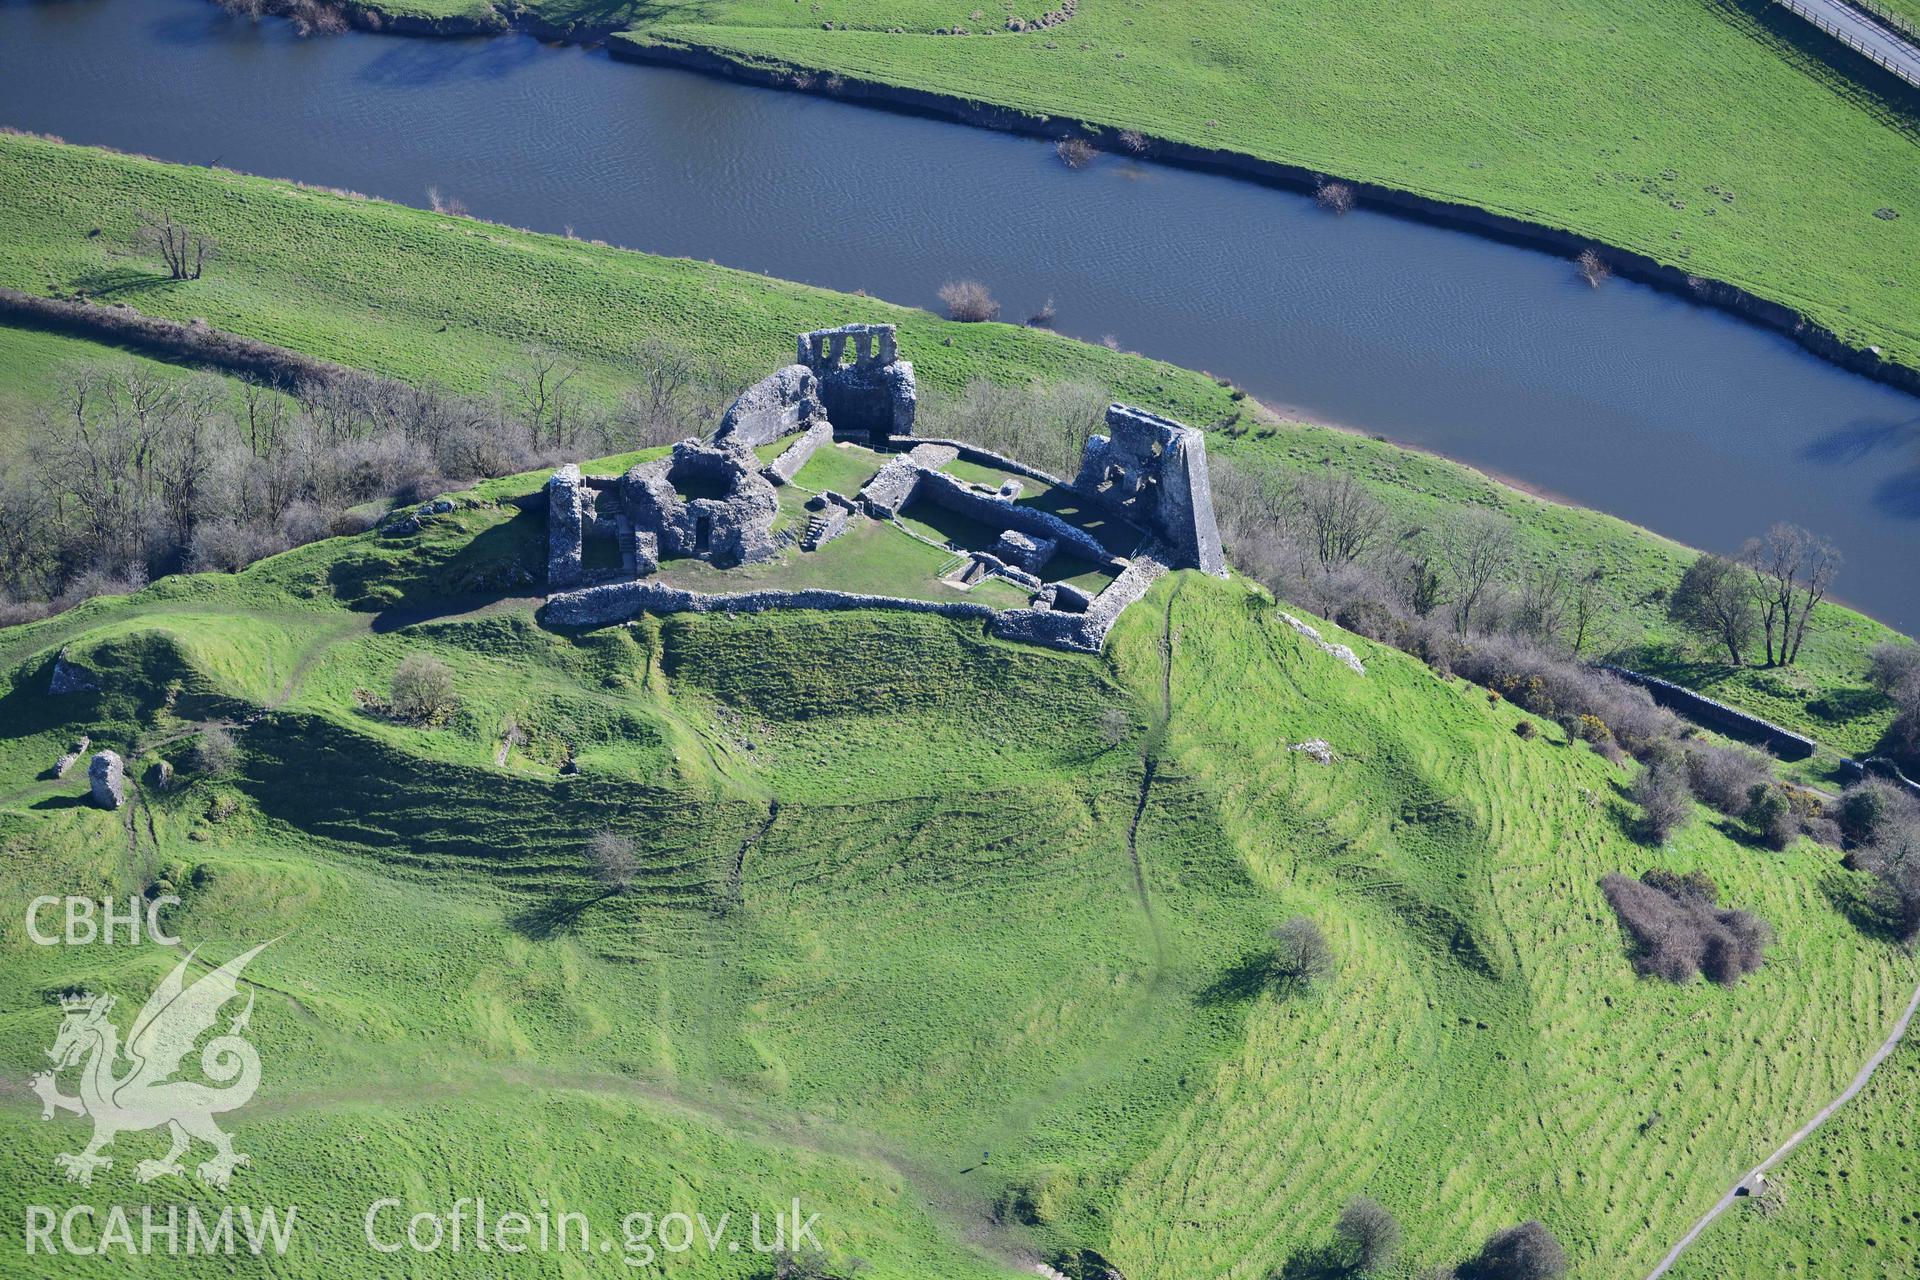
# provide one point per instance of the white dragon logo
(146, 1095)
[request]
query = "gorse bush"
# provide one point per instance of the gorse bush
(1678, 930)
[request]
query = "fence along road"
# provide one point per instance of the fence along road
(1859, 32)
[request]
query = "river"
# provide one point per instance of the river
(1623, 398)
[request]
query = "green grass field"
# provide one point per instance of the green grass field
(454, 301)
(1848, 1195)
(984, 950)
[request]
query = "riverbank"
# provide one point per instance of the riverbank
(1771, 238)
(455, 301)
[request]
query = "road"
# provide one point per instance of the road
(1881, 43)
(1801, 1135)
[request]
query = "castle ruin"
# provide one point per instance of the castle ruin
(718, 502)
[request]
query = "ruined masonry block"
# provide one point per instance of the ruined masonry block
(108, 776)
(566, 509)
(1153, 471)
(872, 396)
(1026, 550)
(778, 405)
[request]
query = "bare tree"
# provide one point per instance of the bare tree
(1546, 602)
(1301, 955)
(1593, 614)
(183, 251)
(1593, 268)
(1476, 551)
(540, 393)
(1368, 1233)
(611, 858)
(216, 752)
(1335, 197)
(422, 689)
(1792, 571)
(1715, 601)
(1340, 518)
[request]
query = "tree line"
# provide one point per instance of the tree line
(132, 470)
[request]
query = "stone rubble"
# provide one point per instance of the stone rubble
(1312, 633)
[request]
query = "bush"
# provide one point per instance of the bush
(1075, 153)
(422, 690)
(611, 858)
(1526, 731)
(1894, 668)
(1335, 197)
(216, 752)
(1694, 886)
(969, 301)
(1301, 956)
(1368, 1234)
(1725, 777)
(1770, 815)
(1872, 807)
(1894, 860)
(1665, 800)
(1526, 1252)
(1678, 931)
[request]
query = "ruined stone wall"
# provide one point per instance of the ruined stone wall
(796, 455)
(733, 527)
(1153, 470)
(1085, 632)
(619, 601)
(872, 396)
(954, 494)
(565, 528)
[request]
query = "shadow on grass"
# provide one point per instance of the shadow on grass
(551, 919)
(63, 802)
(1315, 1262)
(1250, 977)
(114, 281)
(1861, 902)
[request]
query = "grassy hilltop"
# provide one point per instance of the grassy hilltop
(925, 924)
(1696, 132)
(958, 941)
(436, 299)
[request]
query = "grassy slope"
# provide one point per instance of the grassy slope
(448, 300)
(1849, 1195)
(1676, 129)
(941, 945)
